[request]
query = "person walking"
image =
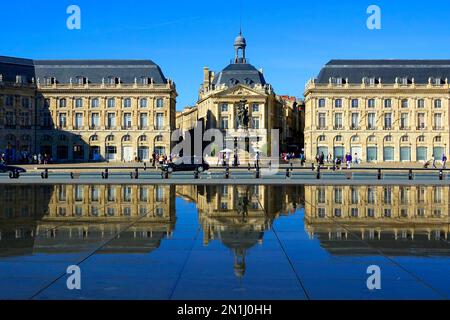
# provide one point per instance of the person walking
(444, 161)
(257, 159)
(433, 159)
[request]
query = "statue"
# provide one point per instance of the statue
(243, 117)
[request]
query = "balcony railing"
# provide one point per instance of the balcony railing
(355, 128)
(338, 128)
(321, 128)
(387, 128)
(404, 128)
(421, 127)
(371, 127)
(438, 128)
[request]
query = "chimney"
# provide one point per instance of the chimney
(206, 78)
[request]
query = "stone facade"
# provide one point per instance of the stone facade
(383, 111)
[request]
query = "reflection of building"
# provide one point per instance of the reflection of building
(221, 95)
(71, 218)
(387, 110)
(394, 219)
(238, 216)
(114, 109)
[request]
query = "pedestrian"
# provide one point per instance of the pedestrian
(348, 159)
(321, 159)
(257, 158)
(330, 158)
(444, 161)
(39, 158)
(356, 159)
(433, 159)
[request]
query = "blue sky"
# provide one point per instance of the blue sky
(290, 39)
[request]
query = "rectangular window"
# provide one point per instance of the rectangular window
(387, 121)
(95, 103)
(355, 103)
(79, 103)
(160, 103)
(404, 121)
(338, 121)
(355, 121)
(127, 103)
(338, 195)
(95, 120)
(437, 121)
(159, 121)
(388, 153)
(224, 123)
(421, 121)
(438, 104)
(78, 121)
(371, 103)
(127, 120)
(371, 121)
(322, 121)
(371, 195)
(420, 103)
(111, 120)
(143, 103)
(255, 123)
(322, 103)
(338, 103)
(62, 120)
(405, 154)
(224, 107)
(388, 103)
(422, 153)
(111, 103)
(372, 154)
(321, 195)
(143, 121)
(255, 107)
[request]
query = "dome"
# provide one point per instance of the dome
(240, 42)
(235, 74)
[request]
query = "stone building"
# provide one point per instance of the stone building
(381, 110)
(85, 110)
(240, 84)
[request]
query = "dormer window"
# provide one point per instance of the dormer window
(436, 81)
(80, 80)
(234, 81)
(144, 80)
(248, 81)
(370, 81)
(21, 79)
(337, 81)
(112, 80)
(48, 81)
(403, 81)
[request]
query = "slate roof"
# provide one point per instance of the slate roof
(94, 70)
(11, 67)
(387, 70)
(240, 73)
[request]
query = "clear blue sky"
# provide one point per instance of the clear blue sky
(290, 39)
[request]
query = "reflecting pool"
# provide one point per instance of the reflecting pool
(224, 242)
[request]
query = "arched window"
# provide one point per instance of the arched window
(142, 138)
(110, 138)
(93, 138)
(126, 138)
(388, 139)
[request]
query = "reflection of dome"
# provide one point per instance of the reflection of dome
(240, 238)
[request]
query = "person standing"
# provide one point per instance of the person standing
(433, 159)
(444, 161)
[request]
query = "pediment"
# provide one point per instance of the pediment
(240, 90)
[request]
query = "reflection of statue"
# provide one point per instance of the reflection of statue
(242, 115)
